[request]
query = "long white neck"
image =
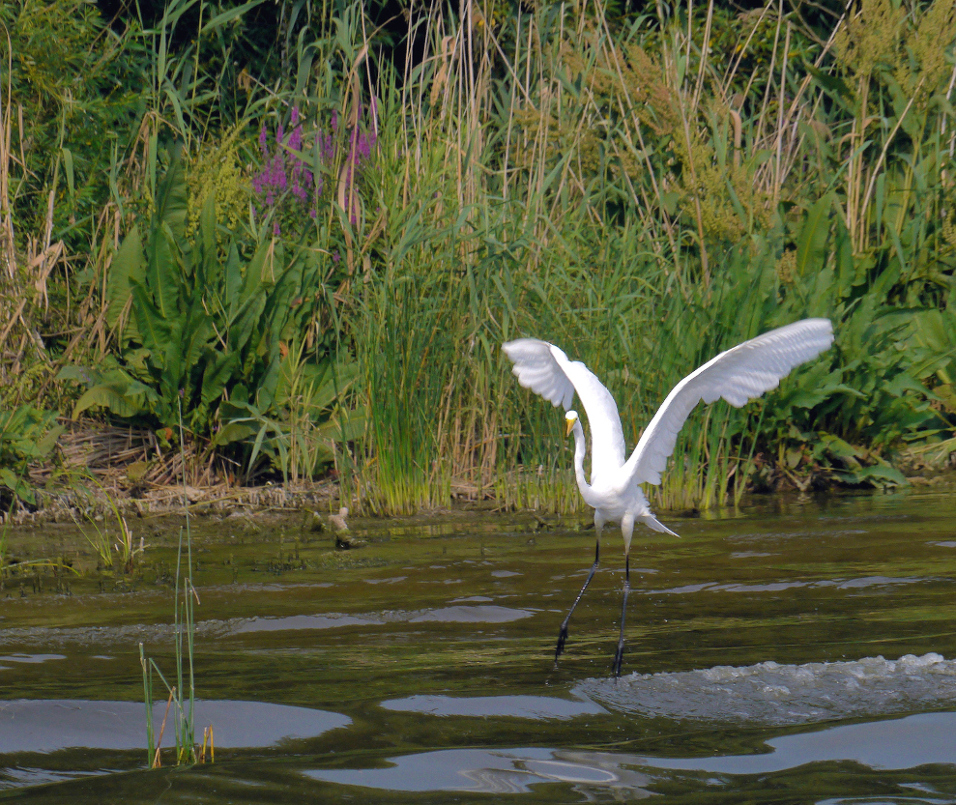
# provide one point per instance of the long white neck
(580, 448)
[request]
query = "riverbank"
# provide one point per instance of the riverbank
(100, 472)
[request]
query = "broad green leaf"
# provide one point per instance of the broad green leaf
(237, 431)
(219, 369)
(166, 232)
(835, 86)
(883, 473)
(127, 266)
(68, 167)
(232, 284)
(153, 327)
(46, 444)
(17, 485)
(127, 398)
(812, 241)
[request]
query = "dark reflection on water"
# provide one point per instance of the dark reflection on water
(420, 668)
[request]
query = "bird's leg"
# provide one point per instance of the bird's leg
(627, 529)
(563, 634)
(619, 656)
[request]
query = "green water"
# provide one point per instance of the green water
(419, 668)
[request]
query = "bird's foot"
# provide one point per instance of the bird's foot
(618, 660)
(562, 639)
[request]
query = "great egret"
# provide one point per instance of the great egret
(737, 375)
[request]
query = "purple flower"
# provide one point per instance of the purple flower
(284, 184)
(325, 145)
(282, 171)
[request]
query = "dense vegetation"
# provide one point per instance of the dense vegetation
(308, 246)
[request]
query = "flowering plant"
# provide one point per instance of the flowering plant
(285, 186)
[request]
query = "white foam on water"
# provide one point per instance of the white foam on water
(773, 694)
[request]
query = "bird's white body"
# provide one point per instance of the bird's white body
(737, 375)
(611, 502)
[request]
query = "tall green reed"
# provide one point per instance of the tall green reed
(479, 249)
(181, 696)
(644, 205)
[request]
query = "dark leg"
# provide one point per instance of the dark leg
(619, 657)
(563, 634)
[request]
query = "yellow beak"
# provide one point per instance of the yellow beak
(568, 427)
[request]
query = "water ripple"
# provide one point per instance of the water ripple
(779, 586)
(531, 707)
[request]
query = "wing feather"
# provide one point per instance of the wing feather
(737, 375)
(537, 370)
(545, 369)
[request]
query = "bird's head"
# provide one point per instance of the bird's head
(569, 419)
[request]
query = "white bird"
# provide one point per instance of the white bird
(737, 375)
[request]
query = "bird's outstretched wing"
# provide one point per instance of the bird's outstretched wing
(546, 370)
(738, 375)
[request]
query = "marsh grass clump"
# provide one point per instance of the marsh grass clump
(115, 552)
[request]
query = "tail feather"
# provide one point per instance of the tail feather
(656, 525)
